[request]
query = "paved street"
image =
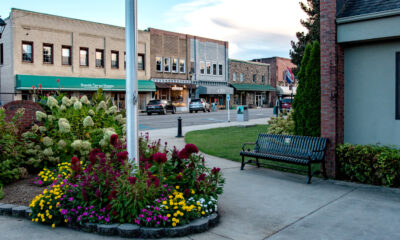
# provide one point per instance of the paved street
(156, 121)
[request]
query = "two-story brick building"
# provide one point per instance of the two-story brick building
(74, 56)
(252, 83)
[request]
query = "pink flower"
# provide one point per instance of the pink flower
(33, 87)
(183, 154)
(40, 86)
(159, 157)
(191, 148)
(215, 170)
(114, 140)
(58, 80)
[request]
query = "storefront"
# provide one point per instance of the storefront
(253, 95)
(78, 86)
(214, 94)
(177, 93)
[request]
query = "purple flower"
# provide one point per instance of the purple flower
(79, 207)
(157, 209)
(165, 218)
(107, 219)
(141, 215)
(137, 221)
(71, 199)
(158, 200)
(158, 223)
(85, 214)
(91, 216)
(64, 211)
(79, 219)
(40, 182)
(148, 219)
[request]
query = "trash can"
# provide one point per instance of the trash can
(242, 113)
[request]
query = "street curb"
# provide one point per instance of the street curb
(123, 230)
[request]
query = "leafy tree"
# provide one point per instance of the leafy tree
(313, 31)
(307, 102)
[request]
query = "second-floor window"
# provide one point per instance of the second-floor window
(202, 67)
(254, 78)
(84, 57)
(182, 65)
(66, 55)
(263, 79)
(1, 54)
(220, 69)
(241, 77)
(48, 53)
(234, 77)
(99, 58)
(159, 64)
(114, 59)
(27, 52)
(208, 67)
(214, 69)
(140, 62)
(167, 62)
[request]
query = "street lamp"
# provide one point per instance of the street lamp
(2, 26)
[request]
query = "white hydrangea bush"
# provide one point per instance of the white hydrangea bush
(72, 127)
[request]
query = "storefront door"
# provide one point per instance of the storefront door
(258, 100)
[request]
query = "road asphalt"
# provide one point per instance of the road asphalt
(260, 203)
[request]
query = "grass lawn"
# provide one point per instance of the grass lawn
(227, 143)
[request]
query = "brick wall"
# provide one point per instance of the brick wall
(332, 84)
(29, 117)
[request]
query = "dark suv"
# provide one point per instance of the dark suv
(160, 107)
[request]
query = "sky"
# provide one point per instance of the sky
(254, 28)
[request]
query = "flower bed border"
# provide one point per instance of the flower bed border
(124, 230)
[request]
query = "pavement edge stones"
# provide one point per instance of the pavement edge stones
(124, 230)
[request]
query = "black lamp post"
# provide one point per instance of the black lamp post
(2, 26)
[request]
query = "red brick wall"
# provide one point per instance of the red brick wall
(332, 84)
(29, 117)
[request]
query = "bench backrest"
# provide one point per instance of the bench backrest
(296, 146)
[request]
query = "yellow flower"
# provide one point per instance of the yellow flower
(53, 225)
(66, 220)
(177, 187)
(168, 215)
(193, 192)
(174, 224)
(203, 213)
(164, 202)
(166, 207)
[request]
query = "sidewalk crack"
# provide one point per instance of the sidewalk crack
(311, 213)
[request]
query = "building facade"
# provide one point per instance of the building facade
(360, 74)
(56, 53)
(279, 67)
(252, 83)
(209, 65)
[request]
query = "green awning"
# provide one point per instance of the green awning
(25, 82)
(252, 87)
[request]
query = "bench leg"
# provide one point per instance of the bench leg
(241, 168)
(258, 163)
(309, 174)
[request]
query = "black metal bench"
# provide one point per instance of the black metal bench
(300, 150)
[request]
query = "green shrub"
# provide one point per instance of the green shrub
(11, 148)
(281, 125)
(71, 127)
(371, 164)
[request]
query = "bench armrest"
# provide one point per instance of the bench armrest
(248, 143)
(310, 153)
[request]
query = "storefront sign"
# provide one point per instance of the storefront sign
(177, 88)
(92, 86)
(221, 91)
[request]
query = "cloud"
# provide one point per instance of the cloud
(254, 28)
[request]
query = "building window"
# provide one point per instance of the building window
(159, 64)
(1, 54)
(263, 79)
(234, 77)
(254, 78)
(84, 56)
(99, 58)
(201, 67)
(167, 62)
(220, 69)
(182, 65)
(192, 67)
(66, 55)
(208, 66)
(398, 86)
(175, 65)
(214, 69)
(114, 59)
(48, 53)
(124, 60)
(27, 52)
(140, 62)
(241, 77)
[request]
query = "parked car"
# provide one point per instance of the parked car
(160, 107)
(199, 104)
(287, 103)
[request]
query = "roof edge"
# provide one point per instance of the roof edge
(368, 16)
(249, 62)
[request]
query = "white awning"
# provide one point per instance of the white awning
(286, 90)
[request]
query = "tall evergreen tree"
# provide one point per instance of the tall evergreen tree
(313, 31)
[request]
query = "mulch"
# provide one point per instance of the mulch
(21, 192)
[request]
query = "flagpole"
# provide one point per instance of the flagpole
(131, 80)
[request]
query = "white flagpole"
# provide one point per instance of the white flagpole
(131, 80)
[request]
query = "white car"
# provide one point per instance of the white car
(199, 104)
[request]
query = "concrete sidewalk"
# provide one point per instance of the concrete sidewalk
(260, 203)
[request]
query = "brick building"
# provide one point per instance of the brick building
(70, 55)
(252, 83)
(279, 67)
(360, 74)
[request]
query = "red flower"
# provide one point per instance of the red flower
(93, 155)
(178, 177)
(191, 148)
(215, 170)
(122, 156)
(58, 80)
(187, 192)
(183, 154)
(40, 86)
(132, 180)
(75, 164)
(159, 157)
(112, 195)
(33, 87)
(114, 140)
(201, 177)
